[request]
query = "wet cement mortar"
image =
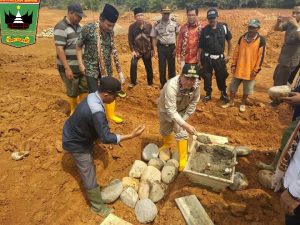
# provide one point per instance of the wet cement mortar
(212, 160)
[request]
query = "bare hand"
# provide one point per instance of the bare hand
(82, 68)
(227, 58)
(253, 74)
(155, 54)
(293, 98)
(152, 53)
(293, 21)
(200, 65)
(138, 131)
(233, 69)
(69, 74)
(174, 53)
(133, 54)
(178, 60)
(189, 128)
(288, 203)
(279, 19)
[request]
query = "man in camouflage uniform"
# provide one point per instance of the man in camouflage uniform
(164, 33)
(98, 41)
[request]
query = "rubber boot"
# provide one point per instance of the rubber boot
(73, 104)
(272, 167)
(97, 205)
(110, 112)
(81, 97)
(182, 153)
(167, 142)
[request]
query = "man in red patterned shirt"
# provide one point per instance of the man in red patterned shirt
(188, 39)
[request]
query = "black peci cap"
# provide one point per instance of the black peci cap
(137, 10)
(110, 13)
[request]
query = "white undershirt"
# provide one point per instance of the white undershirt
(291, 178)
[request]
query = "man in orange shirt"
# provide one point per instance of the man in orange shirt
(188, 39)
(247, 61)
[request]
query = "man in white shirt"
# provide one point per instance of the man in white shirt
(288, 170)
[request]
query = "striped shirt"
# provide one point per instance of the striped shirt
(66, 35)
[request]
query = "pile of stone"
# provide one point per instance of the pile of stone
(146, 184)
(47, 33)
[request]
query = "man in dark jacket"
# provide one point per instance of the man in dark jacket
(84, 127)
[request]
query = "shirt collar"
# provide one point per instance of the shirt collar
(67, 21)
(193, 25)
(100, 100)
(253, 39)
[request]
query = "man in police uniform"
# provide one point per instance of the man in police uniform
(211, 50)
(164, 33)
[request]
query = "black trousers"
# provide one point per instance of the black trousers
(217, 65)
(92, 84)
(293, 220)
(148, 66)
(165, 55)
(293, 74)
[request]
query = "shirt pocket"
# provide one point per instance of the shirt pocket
(171, 29)
(220, 38)
(161, 30)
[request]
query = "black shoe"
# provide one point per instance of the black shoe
(207, 98)
(224, 97)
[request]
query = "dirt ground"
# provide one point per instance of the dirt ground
(45, 187)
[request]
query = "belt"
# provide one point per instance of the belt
(166, 45)
(214, 56)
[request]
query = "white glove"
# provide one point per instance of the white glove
(277, 180)
(122, 79)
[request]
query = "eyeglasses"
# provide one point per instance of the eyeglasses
(296, 12)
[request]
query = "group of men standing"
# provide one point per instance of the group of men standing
(191, 43)
(198, 44)
(200, 51)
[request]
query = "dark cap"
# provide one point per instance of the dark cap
(110, 85)
(76, 8)
(166, 9)
(190, 70)
(110, 13)
(212, 13)
(137, 10)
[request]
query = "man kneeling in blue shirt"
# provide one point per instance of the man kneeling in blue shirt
(84, 127)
